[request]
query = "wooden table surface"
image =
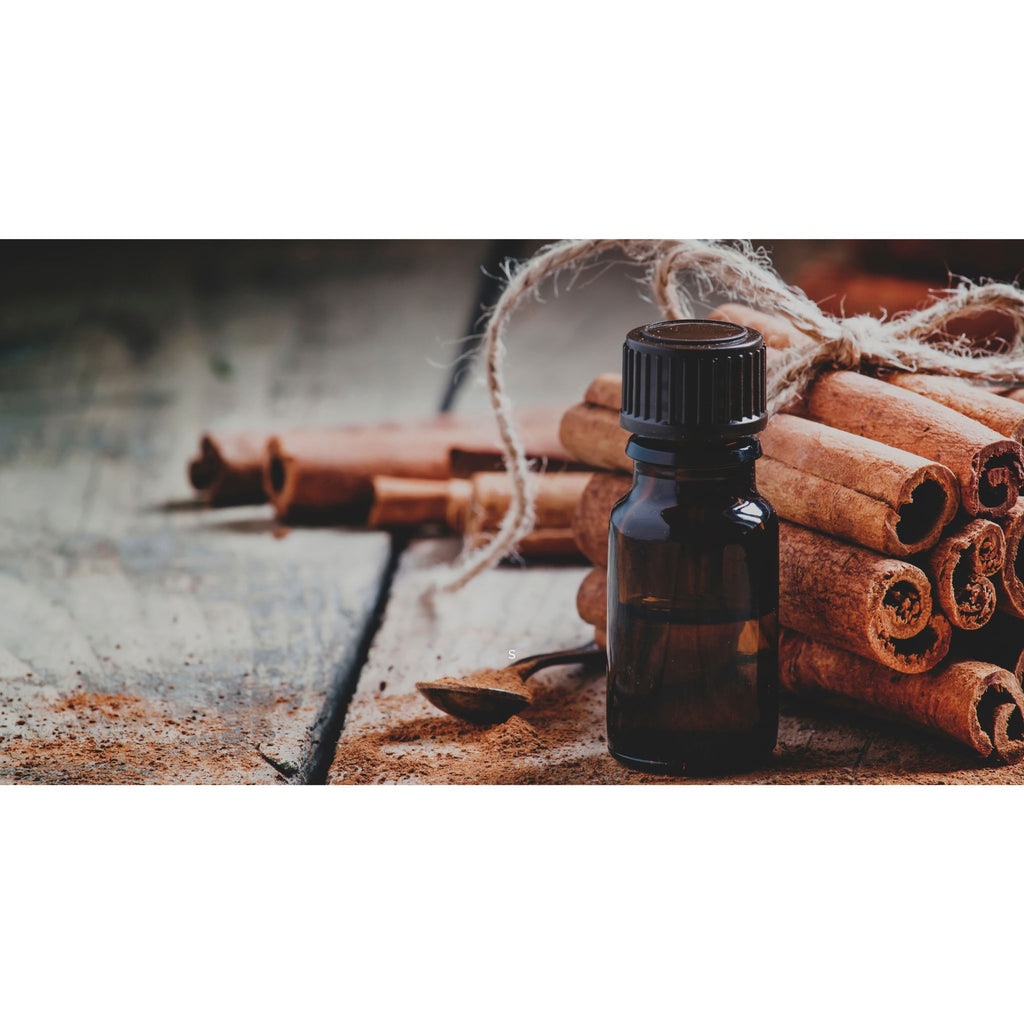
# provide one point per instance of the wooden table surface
(147, 639)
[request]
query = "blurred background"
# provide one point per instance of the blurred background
(127, 350)
(341, 331)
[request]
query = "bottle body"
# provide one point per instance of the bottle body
(693, 611)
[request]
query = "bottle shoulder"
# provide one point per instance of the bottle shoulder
(665, 516)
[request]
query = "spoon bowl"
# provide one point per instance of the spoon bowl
(493, 696)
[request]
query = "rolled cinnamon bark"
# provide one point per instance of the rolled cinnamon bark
(1009, 581)
(974, 703)
(538, 432)
(591, 433)
(874, 606)
(606, 391)
(1001, 414)
(855, 488)
(590, 521)
(988, 465)
(592, 599)
(229, 468)
(324, 475)
(556, 496)
(404, 501)
(989, 468)
(959, 567)
(818, 476)
(475, 506)
(1000, 642)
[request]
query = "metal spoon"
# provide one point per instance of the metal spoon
(493, 696)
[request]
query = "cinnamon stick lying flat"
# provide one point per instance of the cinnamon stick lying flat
(1001, 414)
(878, 607)
(325, 475)
(959, 567)
(475, 508)
(229, 468)
(556, 496)
(874, 606)
(974, 703)
(988, 465)
(1009, 581)
(826, 479)
(853, 487)
(404, 501)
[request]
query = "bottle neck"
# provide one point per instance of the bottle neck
(712, 462)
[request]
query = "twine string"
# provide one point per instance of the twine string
(918, 341)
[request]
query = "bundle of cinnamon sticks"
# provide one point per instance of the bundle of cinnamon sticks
(444, 471)
(901, 566)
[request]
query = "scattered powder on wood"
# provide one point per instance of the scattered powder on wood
(119, 738)
(560, 739)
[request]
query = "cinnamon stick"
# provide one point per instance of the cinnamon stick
(556, 496)
(855, 488)
(974, 703)
(989, 466)
(1001, 414)
(874, 606)
(325, 475)
(592, 599)
(590, 521)
(404, 501)
(877, 607)
(959, 567)
(827, 479)
(592, 435)
(1009, 582)
(229, 468)
(476, 507)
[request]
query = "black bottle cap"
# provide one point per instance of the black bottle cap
(685, 379)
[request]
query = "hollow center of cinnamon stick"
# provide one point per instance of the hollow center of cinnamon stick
(998, 473)
(990, 701)
(919, 515)
(905, 601)
(915, 646)
(277, 474)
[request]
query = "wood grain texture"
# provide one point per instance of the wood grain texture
(177, 657)
(144, 639)
(393, 736)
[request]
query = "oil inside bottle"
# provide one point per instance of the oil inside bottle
(692, 693)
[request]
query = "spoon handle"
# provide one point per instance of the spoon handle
(589, 655)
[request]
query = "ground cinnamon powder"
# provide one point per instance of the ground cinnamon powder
(560, 739)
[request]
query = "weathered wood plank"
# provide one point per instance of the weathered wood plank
(392, 735)
(177, 658)
(144, 638)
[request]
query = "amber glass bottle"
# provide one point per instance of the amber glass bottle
(693, 561)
